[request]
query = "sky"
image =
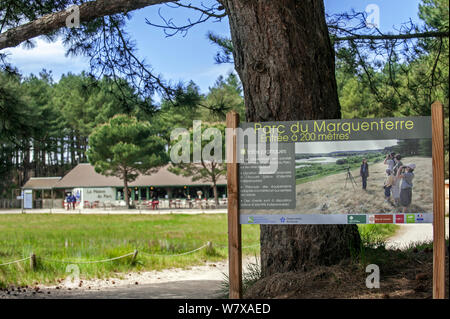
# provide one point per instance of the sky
(189, 57)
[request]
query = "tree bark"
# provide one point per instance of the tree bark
(26, 162)
(285, 60)
(72, 149)
(125, 189)
(216, 194)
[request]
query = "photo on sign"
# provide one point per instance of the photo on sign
(364, 177)
(390, 176)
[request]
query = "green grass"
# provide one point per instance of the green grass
(98, 237)
(315, 171)
(372, 234)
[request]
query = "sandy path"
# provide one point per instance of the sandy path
(198, 282)
(409, 234)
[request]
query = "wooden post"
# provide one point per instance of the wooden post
(133, 259)
(437, 120)
(209, 248)
(33, 261)
(234, 226)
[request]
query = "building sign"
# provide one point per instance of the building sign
(354, 171)
(28, 199)
(95, 194)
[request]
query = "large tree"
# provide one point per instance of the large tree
(285, 60)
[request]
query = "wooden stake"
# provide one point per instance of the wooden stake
(234, 226)
(133, 259)
(33, 261)
(437, 120)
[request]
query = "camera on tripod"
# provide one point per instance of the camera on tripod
(349, 177)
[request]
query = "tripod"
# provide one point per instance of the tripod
(350, 178)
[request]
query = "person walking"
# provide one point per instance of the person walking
(68, 201)
(73, 201)
(397, 163)
(389, 181)
(395, 190)
(364, 173)
(405, 173)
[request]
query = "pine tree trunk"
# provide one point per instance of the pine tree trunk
(72, 149)
(62, 152)
(216, 193)
(285, 60)
(125, 189)
(26, 162)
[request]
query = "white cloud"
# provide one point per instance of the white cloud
(45, 55)
(51, 56)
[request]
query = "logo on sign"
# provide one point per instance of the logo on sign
(356, 219)
(282, 219)
(251, 220)
(399, 219)
(410, 218)
(384, 219)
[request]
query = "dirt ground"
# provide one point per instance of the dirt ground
(410, 279)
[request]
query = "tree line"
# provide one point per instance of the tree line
(46, 124)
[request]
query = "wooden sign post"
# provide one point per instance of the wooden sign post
(437, 119)
(234, 226)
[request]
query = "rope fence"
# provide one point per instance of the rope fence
(33, 257)
(87, 262)
(182, 254)
(15, 261)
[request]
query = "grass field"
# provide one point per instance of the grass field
(97, 237)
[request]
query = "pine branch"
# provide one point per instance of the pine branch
(54, 21)
(421, 35)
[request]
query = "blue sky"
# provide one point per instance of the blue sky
(191, 57)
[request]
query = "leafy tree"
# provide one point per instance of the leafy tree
(205, 171)
(125, 147)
